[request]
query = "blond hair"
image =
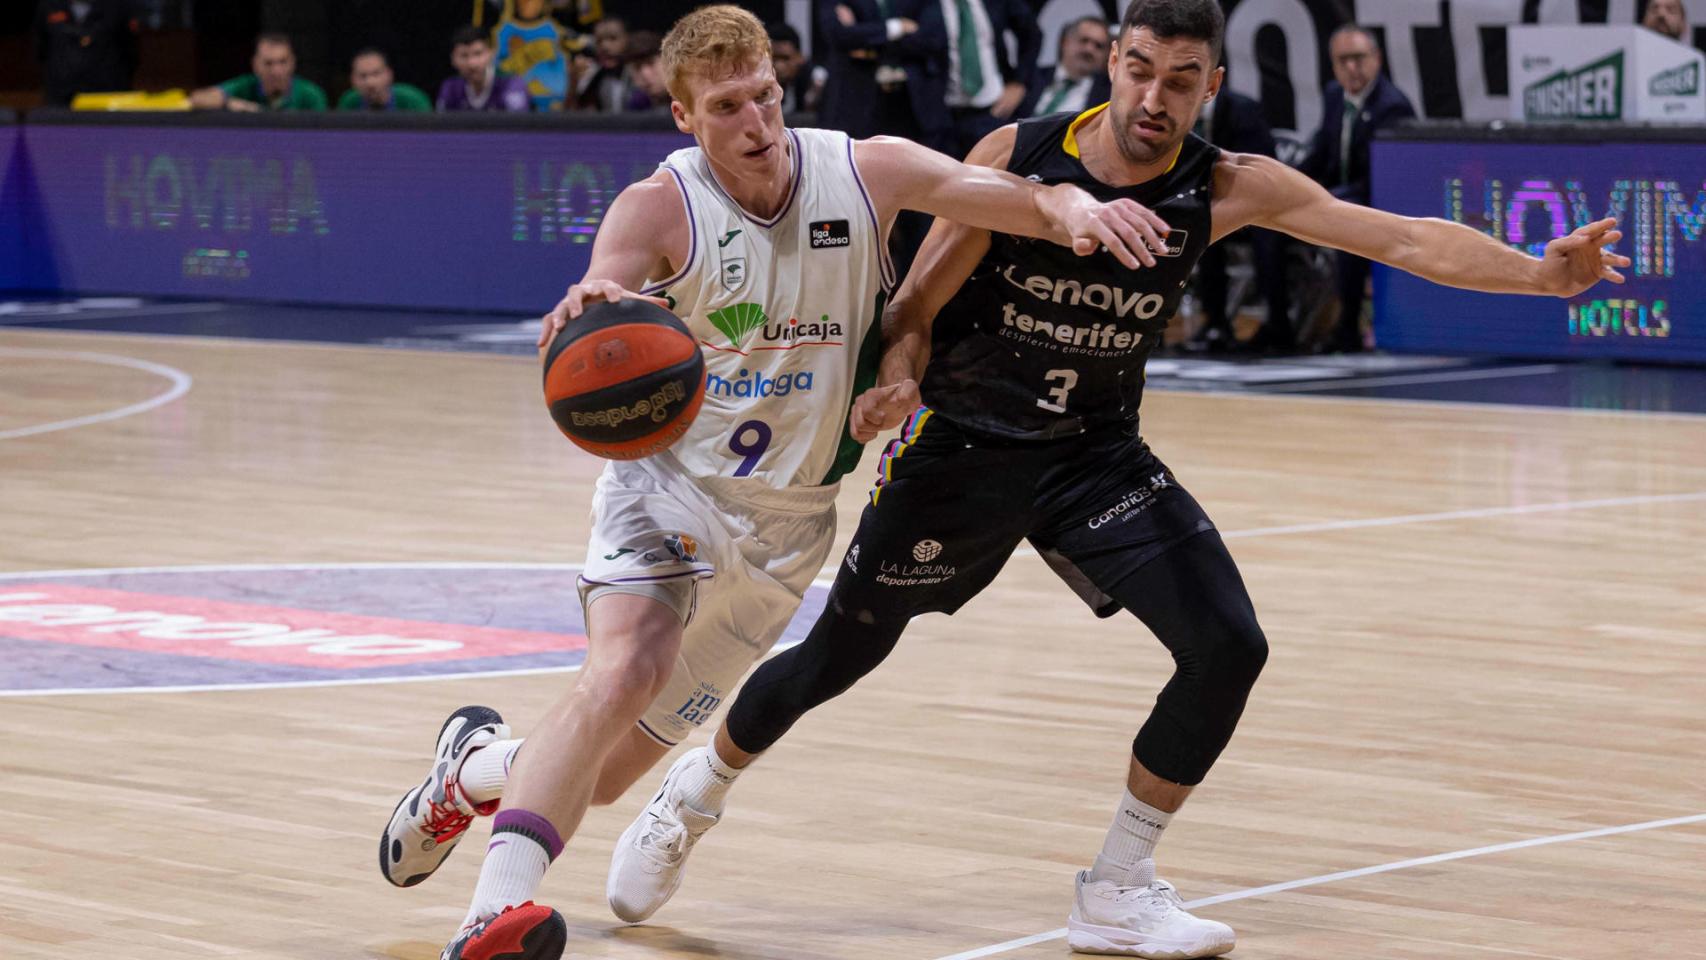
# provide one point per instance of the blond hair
(710, 42)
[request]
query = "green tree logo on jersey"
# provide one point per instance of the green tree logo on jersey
(738, 320)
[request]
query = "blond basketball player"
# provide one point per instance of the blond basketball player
(770, 244)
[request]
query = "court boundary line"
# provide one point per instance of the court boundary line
(107, 313)
(823, 582)
(1682, 415)
(1398, 520)
(1466, 405)
(1414, 379)
(1325, 878)
(181, 383)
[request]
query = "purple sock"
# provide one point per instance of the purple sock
(528, 824)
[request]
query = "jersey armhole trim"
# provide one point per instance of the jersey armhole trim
(651, 289)
(883, 262)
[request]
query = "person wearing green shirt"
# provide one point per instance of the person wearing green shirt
(273, 85)
(373, 87)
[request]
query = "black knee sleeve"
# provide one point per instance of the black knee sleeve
(843, 646)
(1199, 707)
(1192, 597)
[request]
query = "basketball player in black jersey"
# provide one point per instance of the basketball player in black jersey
(1029, 431)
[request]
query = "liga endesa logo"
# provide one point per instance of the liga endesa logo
(220, 627)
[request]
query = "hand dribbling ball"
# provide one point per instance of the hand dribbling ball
(624, 380)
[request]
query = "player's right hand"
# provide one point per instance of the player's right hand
(1129, 230)
(882, 408)
(579, 295)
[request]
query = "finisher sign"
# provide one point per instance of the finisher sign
(1567, 74)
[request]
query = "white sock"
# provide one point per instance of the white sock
(523, 845)
(705, 779)
(1127, 856)
(485, 771)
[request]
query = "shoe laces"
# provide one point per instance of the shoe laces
(1158, 891)
(445, 820)
(666, 836)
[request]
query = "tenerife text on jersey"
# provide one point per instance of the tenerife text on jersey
(1096, 338)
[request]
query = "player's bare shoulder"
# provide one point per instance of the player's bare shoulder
(655, 202)
(996, 149)
(650, 218)
(1248, 188)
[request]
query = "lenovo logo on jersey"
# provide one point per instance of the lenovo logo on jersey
(1097, 296)
(831, 233)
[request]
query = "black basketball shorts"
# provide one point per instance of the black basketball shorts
(950, 506)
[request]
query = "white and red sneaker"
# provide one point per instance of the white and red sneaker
(432, 817)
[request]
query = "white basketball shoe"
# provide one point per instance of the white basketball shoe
(1148, 921)
(433, 816)
(645, 868)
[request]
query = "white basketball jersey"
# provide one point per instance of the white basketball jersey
(786, 311)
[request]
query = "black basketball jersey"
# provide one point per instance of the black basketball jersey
(1040, 342)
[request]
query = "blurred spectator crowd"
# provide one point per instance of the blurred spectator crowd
(942, 72)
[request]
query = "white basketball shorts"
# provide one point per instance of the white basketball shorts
(732, 557)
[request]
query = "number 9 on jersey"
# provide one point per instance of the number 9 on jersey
(749, 441)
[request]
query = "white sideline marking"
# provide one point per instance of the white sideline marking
(95, 312)
(1353, 874)
(1400, 380)
(181, 382)
(1470, 514)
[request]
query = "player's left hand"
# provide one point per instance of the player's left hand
(882, 408)
(1575, 263)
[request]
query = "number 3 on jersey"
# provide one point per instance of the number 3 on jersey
(1055, 402)
(750, 440)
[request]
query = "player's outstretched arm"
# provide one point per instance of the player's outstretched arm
(951, 251)
(644, 234)
(1252, 190)
(903, 175)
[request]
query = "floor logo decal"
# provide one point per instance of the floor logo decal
(287, 625)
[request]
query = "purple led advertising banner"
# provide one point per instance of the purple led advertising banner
(456, 219)
(11, 208)
(1525, 194)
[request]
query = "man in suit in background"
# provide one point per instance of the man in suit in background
(1359, 101)
(1080, 77)
(85, 46)
(887, 63)
(985, 85)
(1235, 122)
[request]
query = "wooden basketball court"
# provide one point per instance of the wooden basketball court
(1488, 629)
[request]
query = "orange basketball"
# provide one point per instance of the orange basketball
(624, 380)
